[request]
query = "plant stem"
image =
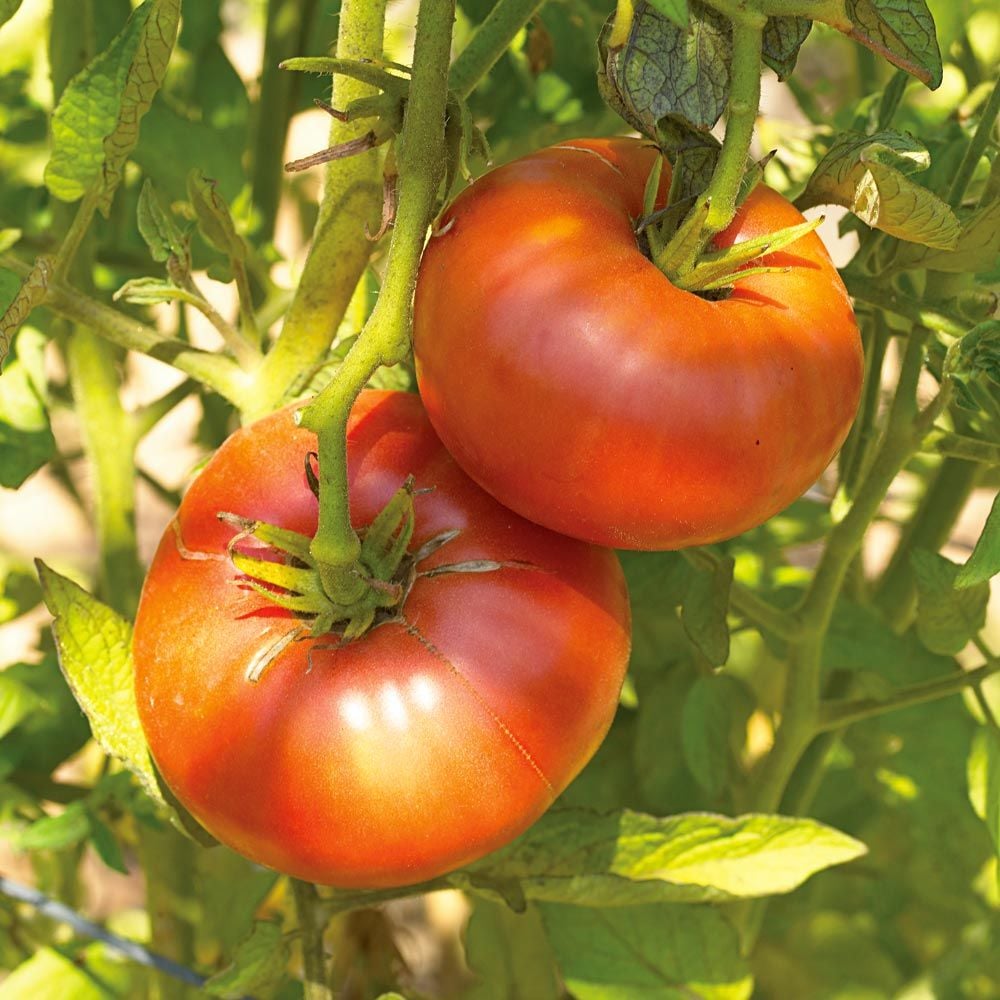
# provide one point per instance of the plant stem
(287, 24)
(108, 446)
(386, 336)
(975, 149)
(880, 295)
(317, 986)
(488, 43)
(929, 528)
(844, 712)
(857, 449)
(340, 250)
(219, 373)
(961, 446)
(718, 200)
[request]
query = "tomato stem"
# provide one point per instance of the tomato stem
(317, 985)
(385, 339)
(717, 203)
(352, 197)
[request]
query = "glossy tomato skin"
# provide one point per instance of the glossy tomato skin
(416, 749)
(576, 384)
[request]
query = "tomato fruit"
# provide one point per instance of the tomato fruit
(574, 382)
(439, 735)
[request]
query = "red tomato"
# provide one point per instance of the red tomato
(576, 384)
(435, 738)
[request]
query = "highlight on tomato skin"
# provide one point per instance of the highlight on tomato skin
(634, 414)
(438, 736)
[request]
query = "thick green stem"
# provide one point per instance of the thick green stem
(386, 336)
(287, 24)
(976, 148)
(838, 714)
(960, 446)
(718, 200)
(317, 986)
(107, 443)
(877, 293)
(219, 373)
(352, 198)
(489, 42)
(929, 528)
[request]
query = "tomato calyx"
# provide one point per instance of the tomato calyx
(283, 570)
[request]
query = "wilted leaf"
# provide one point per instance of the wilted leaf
(870, 175)
(947, 618)
(900, 30)
(665, 71)
(984, 562)
(214, 219)
(258, 964)
(704, 610)
(17, 306)
(158, 228)
(783, 37)
(656, 952)
(96, 123)
(627, 858)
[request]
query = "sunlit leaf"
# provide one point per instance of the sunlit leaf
(628, 858)
(870, 175)
(901, 31)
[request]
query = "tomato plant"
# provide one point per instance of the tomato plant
(650, 419)
(478, 699)
(214, 215)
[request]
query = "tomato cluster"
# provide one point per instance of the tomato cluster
(580, 389)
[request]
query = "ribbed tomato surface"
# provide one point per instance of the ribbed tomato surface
(435, 738)
(573, 381)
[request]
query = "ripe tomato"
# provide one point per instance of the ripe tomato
(435, 738)
(576, 384)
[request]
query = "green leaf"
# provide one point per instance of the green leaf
(666, 75)
(716, 708)
(870, 175)
(106, 845)
(509, 954)
(704, 610)
(17, 307)
(94, 647)
(947, 618)
(654, 952)
(257, 967)
(19, 590)
(901, 31)
(53, 833)
(627, 858)
(979, 352)
(214, 219)
(984, 780)
(17, 702)
(50, 975)
(984, 563)
(96, 124)
(783, 37)
(976, 250)
(26, 441)
(158, 228)
(8, 239)
(8, 8)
